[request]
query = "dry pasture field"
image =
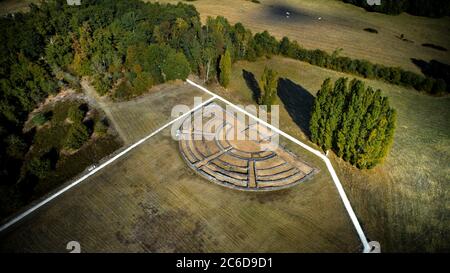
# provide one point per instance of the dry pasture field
(138, 117)
(403, 202)
(340, 26)
(151, 201)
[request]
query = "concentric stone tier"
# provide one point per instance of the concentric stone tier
(247, 162)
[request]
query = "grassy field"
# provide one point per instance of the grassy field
(136, 118)
(341, 26)
(402, 203)
(151, 201)
(7, 6)
(135, 206)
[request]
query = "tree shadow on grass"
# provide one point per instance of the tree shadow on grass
(434, 69)
(297, 101)
(252, 84)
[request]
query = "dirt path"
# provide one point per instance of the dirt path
(102, 103)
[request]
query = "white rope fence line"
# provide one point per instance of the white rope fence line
(81, 179)
(214, 96)
(334, 176)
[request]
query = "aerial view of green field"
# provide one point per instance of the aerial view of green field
(205, 126)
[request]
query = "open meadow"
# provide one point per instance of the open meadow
(150, 200)
(403, 203)
(138, 117)
(341, 26)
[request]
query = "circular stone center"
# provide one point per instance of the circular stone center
(247, 146)
(242, 164)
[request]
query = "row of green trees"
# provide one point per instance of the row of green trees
(263, 44)
(353, 120)
(363, 68)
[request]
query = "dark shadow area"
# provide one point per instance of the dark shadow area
(252, 84)
(423, 65)
(434, 69)
(287, 13)
(105, 121)
(433, 46)
(371, 30)
(84, 107)
(53, 156)
(26, 186)
(29, 135)
(89, 123)
(297, 101)
(48, 115)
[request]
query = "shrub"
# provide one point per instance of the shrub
(39, 119)
(102, 84)
(77, 136)
(175, 66)
(426, 85)
(142, 83)
(371, 30)
(16, 146)
(439, 87)
(100, 128)
(123, 91)
(40, 167)
(75, 114)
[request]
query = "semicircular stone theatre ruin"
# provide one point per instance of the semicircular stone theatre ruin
(217, 153)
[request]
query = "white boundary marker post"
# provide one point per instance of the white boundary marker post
(334, 176)
(78, 181)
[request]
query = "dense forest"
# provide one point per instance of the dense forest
(125, 47)
(428, 8)
(355, 121)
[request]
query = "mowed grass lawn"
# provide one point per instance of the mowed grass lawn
(139, 117)
(402, 203)
(151, 201)
(341, 26)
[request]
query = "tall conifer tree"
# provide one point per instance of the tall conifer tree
(357, 122)
(225, 69)
(269, 82)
